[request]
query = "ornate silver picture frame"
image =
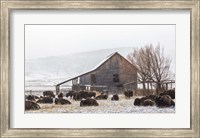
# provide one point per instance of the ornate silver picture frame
(8, 6)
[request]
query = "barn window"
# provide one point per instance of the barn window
(93, 78)
(115, 77)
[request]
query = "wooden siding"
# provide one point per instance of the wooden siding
(114, 65)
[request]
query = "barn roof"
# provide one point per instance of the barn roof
(96, 67)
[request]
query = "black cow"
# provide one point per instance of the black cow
(171, 93)
(70, 94)
(151, 100)
(102, 97)
(91, 94)
(88, 102)
(137, 102)
(148, 102)
(45, 100)
(29, 105)
(173, 103)
(60, 95)
(62, 101)
(49, 93)
(128, 94)
(81, 95)
(115, 97)
(30, 97)
(164, 101)
(152, 97)
(144, 101)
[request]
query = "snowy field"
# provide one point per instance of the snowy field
(105, 106)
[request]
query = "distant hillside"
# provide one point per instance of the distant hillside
(52, 70)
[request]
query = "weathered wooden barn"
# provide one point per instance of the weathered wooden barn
(114, 74)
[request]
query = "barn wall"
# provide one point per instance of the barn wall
(85, 79)
(104, 74)
(128, 74)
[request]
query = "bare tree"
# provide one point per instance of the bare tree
(140, 58)
(160, 66)
(152, 65)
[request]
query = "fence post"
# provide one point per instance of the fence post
(166, 86)
(171, 84)
(57, 89)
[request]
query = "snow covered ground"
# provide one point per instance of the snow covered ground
(105, 106)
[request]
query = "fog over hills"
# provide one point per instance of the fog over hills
(53, 70)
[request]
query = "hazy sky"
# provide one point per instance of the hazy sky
(55, 40)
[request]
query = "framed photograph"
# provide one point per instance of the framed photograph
(100, 69)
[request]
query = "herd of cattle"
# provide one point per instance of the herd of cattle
(164, 99)
(90, 99)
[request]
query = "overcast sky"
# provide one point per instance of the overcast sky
(56, 40)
